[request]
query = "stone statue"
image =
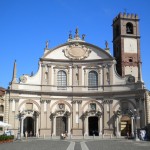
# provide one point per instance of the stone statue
(106, 43)
(83, 37)
(70, 35)
(47, 43)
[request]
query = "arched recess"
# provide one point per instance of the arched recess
(119, 102)
(124, 122)
(60, 117)
(61, 101)
(30, 101)
(129, 28)
(92, 101)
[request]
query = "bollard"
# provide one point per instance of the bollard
(26, 135)
(102, 136)
(44, 136)
(93, 136)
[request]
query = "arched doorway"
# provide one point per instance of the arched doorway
(29, 126)
(93, 126)
(61, 125)
(125, 125)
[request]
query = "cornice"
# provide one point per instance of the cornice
(113, 94)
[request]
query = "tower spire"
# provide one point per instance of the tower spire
(14, 78)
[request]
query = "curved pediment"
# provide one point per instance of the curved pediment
(77, 51)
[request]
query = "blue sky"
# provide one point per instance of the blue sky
(27, 24)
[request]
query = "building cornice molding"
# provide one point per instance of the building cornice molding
(113, 94)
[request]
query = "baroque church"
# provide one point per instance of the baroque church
(82, 89)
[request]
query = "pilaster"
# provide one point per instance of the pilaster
(11, 114)
(16, 113)
(48, 125)
(43, 121)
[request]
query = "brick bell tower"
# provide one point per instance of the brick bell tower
(126, 45)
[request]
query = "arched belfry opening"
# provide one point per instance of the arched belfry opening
(129, 28)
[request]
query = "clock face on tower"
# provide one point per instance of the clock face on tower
(130, 45)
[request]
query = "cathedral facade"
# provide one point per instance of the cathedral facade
(80, 88)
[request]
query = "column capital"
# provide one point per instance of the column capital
(11, 99)
(16, 100)
(48, 101)
(107, 101)
(74, 101)
(42, 101)
(79, 101)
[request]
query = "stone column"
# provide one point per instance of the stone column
(74, 113)
(137, 110)
(132, 126)
(108, 75)
(37, 125)
(49, 75)
(70, 76)
(86, 126)
(104, 76)
(111, 113)
(99, 77)
(80, 112)
(54, 77)
(105, 117)
(117, 126)
(48, 125)
(69, 125)
(43, 121)
(43, 73)
(54, 125)
(100, 125)
(85, 78)
(22, 121)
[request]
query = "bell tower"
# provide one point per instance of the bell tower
(126, 45)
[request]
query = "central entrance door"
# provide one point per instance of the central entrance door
(61, 125)
(29, 126)
(93, 126)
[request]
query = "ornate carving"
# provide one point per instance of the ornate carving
(11, 99)
(16, 100)
(42, 101)
(79, 101)
(48, 101)
(23, 79)
(61, 106)
(91, 112)
(67, 113)
(76, 51)
(108, 101)
(130, 79)
(74, 101)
